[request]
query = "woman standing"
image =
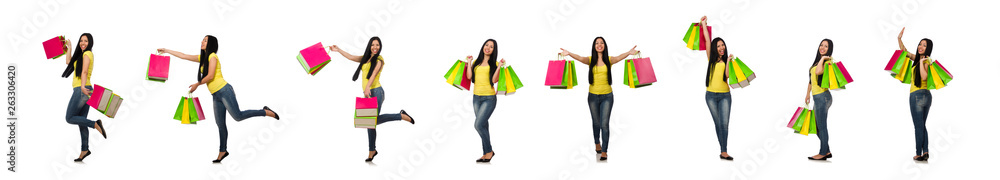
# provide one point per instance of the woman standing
(484, 73)
(717, 95)
(920, 97)
(82, 63)
(600, 99)
(822, 96)
(371, 63)
(223, 95)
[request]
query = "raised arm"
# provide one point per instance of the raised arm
(703, 23)
(616, 59)
(354, 58)
(496, 74)
(192, 58)
(902, 47)
(468, 67)
(924, 64)
(69, 50)
(819, 65)
(582, 59)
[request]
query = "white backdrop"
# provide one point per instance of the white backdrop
(663, 131)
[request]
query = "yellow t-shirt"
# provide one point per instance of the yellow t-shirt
(364, 73)
(815, 80)
(715, 83)
(913, 84)
(600, 85)
(482, 81)
(90, 71)
(217, 82)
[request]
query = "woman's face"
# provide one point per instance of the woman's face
(922, 47)
(488, 48)
(84, 42)
(599, 45)
(720, 47)
(376, 46)
(204, 42)
(824, 47)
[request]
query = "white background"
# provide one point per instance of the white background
(663, 131)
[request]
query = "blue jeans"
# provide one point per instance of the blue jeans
(223, 100)
(600, 115)
(76, 113)
(483, 107)
(821, 108)
(920, 105)
(719, 104)
(379, 94)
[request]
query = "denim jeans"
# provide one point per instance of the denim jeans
(223, 100)
(379, 95)
(483, 107)
(821, 108)
(76, 113)
(920, 105)
(719, 104)
(600, 115)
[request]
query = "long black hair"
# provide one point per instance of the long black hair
(76, 61)
(916, 62)
(492, 62)
(829, 52)
(367, 56)
(212, 46)
(714, 57)
(604, 57)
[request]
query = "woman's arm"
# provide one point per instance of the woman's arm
(819, 65)
(708, 52)
(468, 67)
(368, 86)
(582, 59)
(69, 50)
(83, 75)
(496, 74)
(923, 69)
(902, 47)
(208, 78)
(616, 59)
(354, 58)
(809, 89)
(192, 58)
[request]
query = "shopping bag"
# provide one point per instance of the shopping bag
(159, 68)
(55, 47)
(456, 76)
(508, 82)
(561, 74)
(313, 58)
(695, 39)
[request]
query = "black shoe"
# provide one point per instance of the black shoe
(372, 158)
(604, 158)
(223, 157)
(598, 151)
(487, 160)
(820, 159)
(726, 158)
(272, 111)
(408, 115)
(101, 125)
(81, 159)
(925, 157)
(830, 155)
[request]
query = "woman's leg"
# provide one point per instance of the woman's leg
(220, 119)
(485, 110)
(822, 109)
(919, 105)
(595, 116)
(719, 106)
(927, 110)
(607, 101)
(228, 97)
(76, 113)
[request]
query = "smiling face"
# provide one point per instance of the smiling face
(599, 45)
(720, 47)
(488, 48)
(824, 47)
(922, 47)
(376, 46)
(204, 42)
(84, 42)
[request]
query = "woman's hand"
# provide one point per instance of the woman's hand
(633, 51)
(334, 48)
(731, 57)
(67, 45)
(468, 60)
(704, 19)
(901, 33)
(193, 87)
(503, 62)
(161, 50)
(807, 99)
(85, 91)
(367, 91)
(564, 52)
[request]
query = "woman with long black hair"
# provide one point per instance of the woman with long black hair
(920, 97)
(223, 95)
(822, 96)
(81, 64)
(600, 99)
(370, 65)
(484, 73)
(717, 90)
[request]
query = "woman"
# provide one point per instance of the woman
(371, 66)
(920, 97)
(82, 62)
(600, 98)
(223, 95)
(822, 96)
(484, 73)
(717, 95)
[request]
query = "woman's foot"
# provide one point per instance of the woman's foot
(371, 156)
(100, 128)
(725, 156)
(604, 156)
(818, 157)
(222, 155)
(923, 157)
(83, 154)
(406, 117)
(598, 148)
(486, 157)
(270, 113)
